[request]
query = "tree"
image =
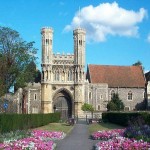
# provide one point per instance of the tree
(30, 74)
(115, 104)
(37, 76)
(15, 55)
(88, 107)
(138, 63)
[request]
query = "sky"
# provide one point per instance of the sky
(117, 32)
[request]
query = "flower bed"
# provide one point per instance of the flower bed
(118, 143)
(38, 139)
(118, 139)
(30, 143)
(105, 135)
(14, 136)
(48, 135)
(138, 132)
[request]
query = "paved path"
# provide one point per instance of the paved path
(78, 139)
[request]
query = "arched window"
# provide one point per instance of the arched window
(80, 75)
(80, 42)
(90, 95)
(76, 76)
(71, 76)
(35, 96)
(99, 107)
(130, 95)
(47, 41)
(43, 75)
(63, 76)
(46, 74)
(56, 76)
(112, 94)
(101, 96)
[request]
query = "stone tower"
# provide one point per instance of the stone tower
(79, 65)
(47, 58)
(47, 43)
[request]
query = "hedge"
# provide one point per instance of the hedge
(12, 122)
(123, 118)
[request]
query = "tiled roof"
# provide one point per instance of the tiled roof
(117, 76)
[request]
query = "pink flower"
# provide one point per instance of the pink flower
(105, 135)
(117, 143)
(40, 140)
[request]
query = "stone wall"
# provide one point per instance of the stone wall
(137, 101)
(100, 94)
(97, 95)
(33, 102)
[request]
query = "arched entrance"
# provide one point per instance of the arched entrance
(62, 102)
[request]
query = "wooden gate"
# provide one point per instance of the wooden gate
(63, 105)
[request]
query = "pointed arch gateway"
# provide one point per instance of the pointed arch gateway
(63, 103)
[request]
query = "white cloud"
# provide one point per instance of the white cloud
(146, 71)
(107, 19)
(148, 38)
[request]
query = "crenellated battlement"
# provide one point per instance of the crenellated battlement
(46, 29)
(79, 30)
(59, 56)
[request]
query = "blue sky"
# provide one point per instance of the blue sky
(118, 32)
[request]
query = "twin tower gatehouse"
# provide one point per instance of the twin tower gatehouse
(63, 76)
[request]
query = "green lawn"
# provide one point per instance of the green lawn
(57, 127)
(103, 126)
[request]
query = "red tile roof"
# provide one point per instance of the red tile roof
(117, 76)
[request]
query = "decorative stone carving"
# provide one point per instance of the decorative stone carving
(54, 87)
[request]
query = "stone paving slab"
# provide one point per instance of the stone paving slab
(78, 139)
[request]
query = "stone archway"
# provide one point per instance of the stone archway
(62, 102)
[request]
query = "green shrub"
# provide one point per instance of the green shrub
(12, 122)
(115, 104)
(123, 118)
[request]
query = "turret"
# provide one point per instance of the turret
(79, 46)
(47, 45)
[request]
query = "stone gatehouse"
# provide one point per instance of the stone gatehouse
(63, 76)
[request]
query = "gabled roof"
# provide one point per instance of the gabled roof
(116, 76)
